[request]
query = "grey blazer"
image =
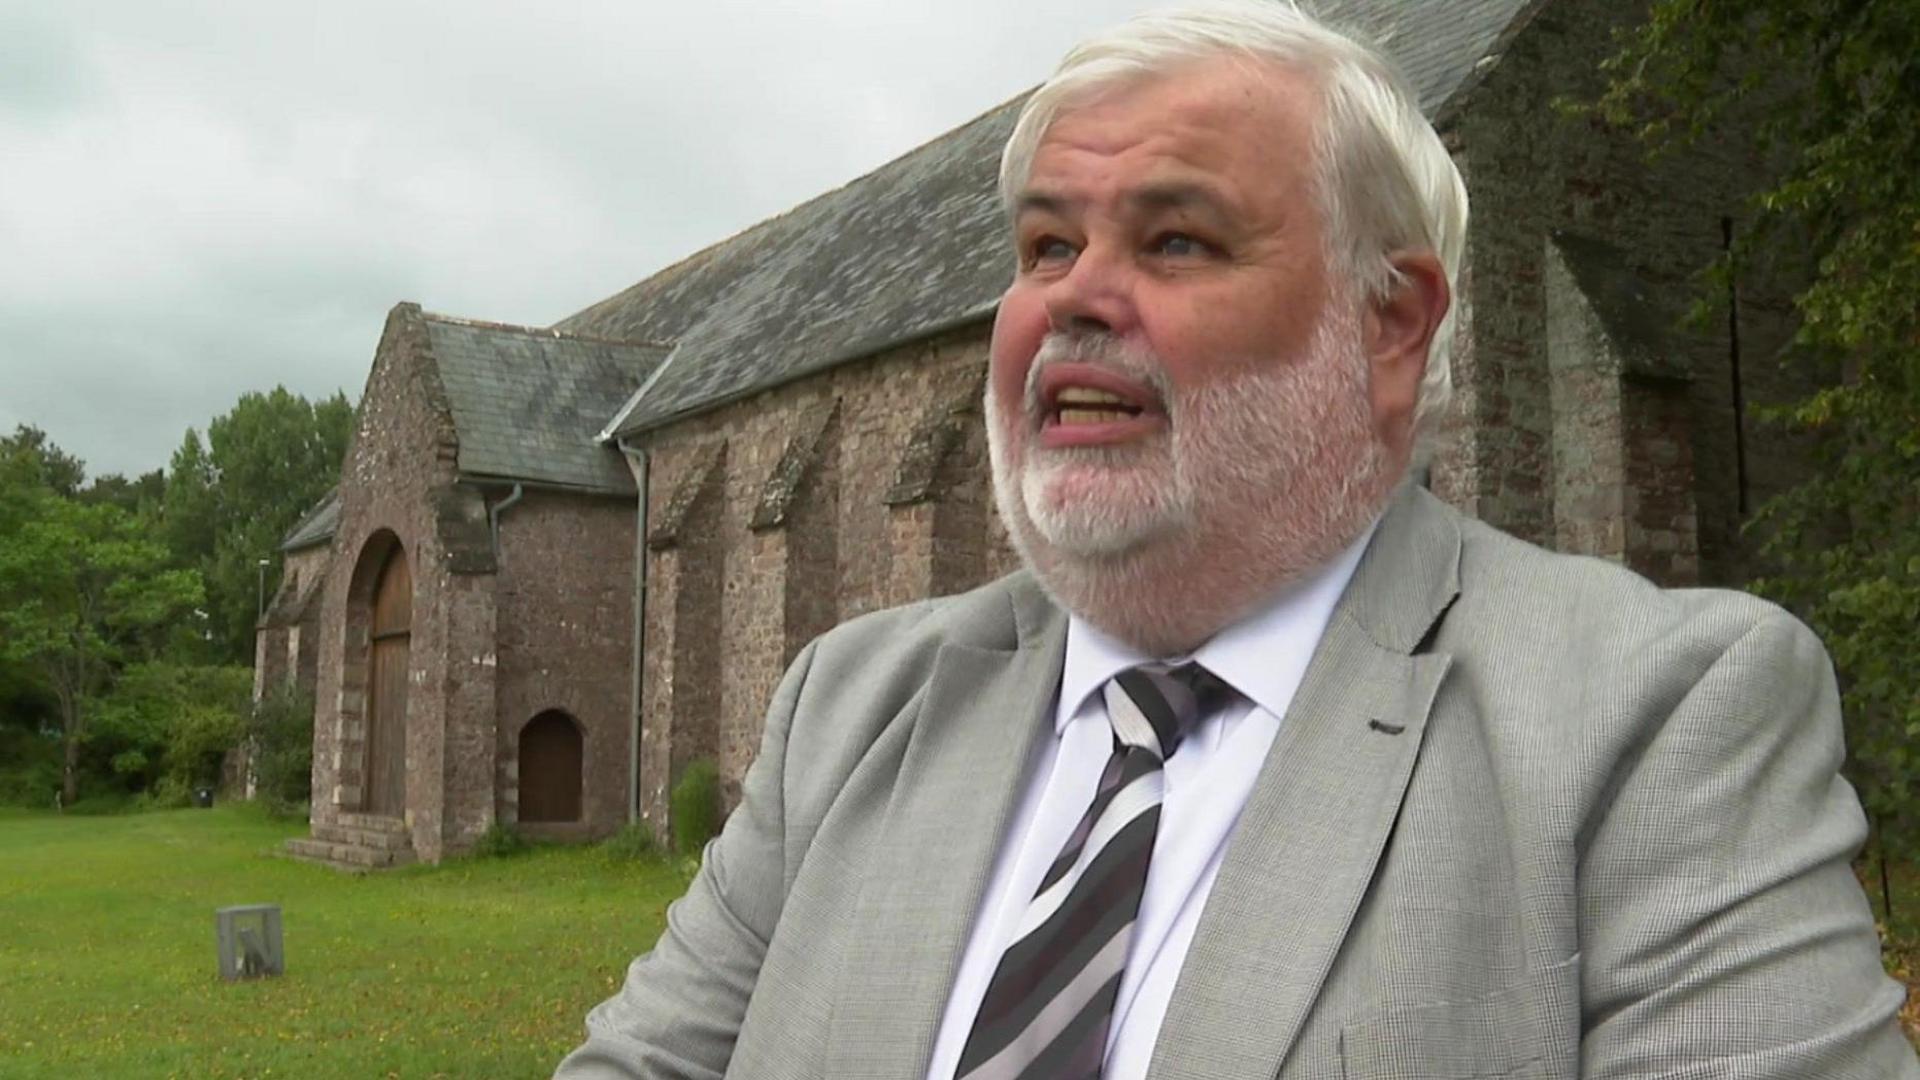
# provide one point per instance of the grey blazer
(1528, 816)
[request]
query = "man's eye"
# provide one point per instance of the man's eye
(1178, 245)
(1049, 249)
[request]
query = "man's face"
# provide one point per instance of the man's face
(1178, 398)
(1178, 214)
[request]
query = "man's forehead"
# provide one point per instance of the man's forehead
(1185, 136)
(1193, 193)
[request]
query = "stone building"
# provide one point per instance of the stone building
(470, 615)
(806, 444)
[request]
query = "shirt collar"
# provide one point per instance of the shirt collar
(1263, 656)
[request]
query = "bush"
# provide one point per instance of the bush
(500, 841)
(696, 807)
(280, 732)
(166, 793)
(103, 804)
(166, 722)
(634, 842)
(29, 768)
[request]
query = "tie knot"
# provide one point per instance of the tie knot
(1154, 706)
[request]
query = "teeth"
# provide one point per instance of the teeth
(1092, 416)
(1086, 395)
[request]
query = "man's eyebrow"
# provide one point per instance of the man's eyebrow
(1180, 195)
(1147, 199)
(1040, 202)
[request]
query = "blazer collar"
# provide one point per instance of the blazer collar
(1311, 834)
(974, 732)
(1410, 573)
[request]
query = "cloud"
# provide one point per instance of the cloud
(203, 198)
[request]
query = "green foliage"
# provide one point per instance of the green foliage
(83, 589)
(138, 496)
(166, 793)
(231, 497)
(168, 724)
(1842, 78)
(634, 841)
(28, 457)
(280, 734)
(103, 804)
(501, 841)
(695, 807)
(29, 768)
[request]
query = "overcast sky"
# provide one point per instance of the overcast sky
(204, 197)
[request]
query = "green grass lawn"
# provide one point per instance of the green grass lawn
(477, 968)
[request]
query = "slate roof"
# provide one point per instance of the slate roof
(317, 526)
(918, 245)
(528, 404)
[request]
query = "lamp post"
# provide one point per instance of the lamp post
(261, 606)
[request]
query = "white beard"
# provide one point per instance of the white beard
(1259, 479)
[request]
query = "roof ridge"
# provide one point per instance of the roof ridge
(542, 331)
(690, 258)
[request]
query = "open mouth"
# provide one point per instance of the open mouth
(1085, 404)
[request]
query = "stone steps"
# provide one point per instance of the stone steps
(381, 839)
(356, 843)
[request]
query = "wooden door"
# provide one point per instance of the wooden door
(387, 669)
(550, 754)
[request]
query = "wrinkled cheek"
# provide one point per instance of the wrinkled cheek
(1018, 329)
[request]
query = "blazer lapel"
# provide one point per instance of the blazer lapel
(975, 732)
(1307, 842)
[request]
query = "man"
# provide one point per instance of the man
(1270, 764)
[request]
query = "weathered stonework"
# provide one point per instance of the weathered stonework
(504, 627)
(889, 503)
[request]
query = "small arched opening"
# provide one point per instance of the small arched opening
(551, 774)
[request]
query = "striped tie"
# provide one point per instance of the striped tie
(1048, 1008)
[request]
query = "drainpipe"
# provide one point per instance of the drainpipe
(636, 459)
(493, 518)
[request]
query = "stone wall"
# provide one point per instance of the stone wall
(286, 644)
(1535, 171)
(398, 487)
(564, 591)
(779, 516)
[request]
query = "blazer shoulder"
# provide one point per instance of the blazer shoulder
(1511, 588)
(998, 615)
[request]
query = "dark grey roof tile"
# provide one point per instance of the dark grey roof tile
(527, 404)
(317, 526)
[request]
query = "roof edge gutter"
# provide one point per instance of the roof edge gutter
(636, 459)
(493, 517)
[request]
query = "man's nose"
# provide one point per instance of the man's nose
(1095, 295)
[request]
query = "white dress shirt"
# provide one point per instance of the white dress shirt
(1208, 780)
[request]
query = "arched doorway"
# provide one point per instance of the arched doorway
(387, 666)
(550, 768)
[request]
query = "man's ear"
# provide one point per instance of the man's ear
(1399, 331)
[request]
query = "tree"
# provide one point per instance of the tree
(1842, 81)
(164, 728)
(230, 498)
(80, 587)
(141, 495)
(31, 457)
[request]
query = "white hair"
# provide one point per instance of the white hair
(1384, 181)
